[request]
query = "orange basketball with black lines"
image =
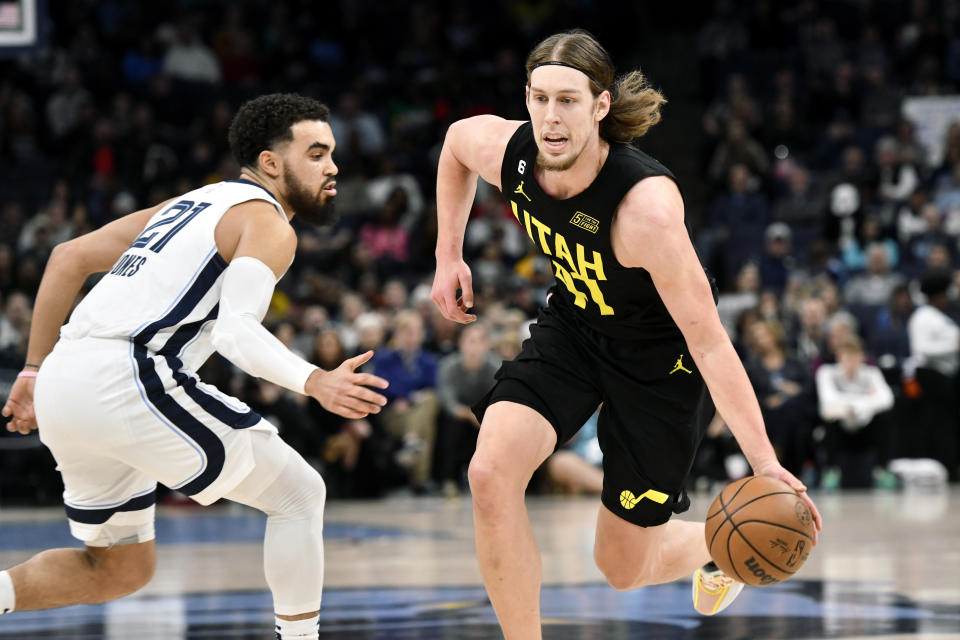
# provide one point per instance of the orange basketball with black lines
(759, 531)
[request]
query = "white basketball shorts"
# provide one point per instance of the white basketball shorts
(119, 419)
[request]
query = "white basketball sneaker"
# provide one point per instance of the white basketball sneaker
(713, 590)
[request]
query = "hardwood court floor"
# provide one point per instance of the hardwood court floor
(888, 566)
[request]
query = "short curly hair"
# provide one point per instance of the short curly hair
(264, 122)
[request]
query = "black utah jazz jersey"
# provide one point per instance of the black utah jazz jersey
(574, 234)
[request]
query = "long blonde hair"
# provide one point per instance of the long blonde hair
(634, 106)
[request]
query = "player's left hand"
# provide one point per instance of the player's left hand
(776, 470)
(20, 406)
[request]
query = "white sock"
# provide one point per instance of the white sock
(7, 598)
(308, 629)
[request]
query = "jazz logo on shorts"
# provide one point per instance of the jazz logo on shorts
(629, 501)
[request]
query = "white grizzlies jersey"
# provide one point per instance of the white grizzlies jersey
(163, 293)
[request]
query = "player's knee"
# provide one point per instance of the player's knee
(623, 574)
(488, 483)
(311, 497)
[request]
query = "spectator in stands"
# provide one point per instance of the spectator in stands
(66, 104)
(810, 341)
(387, 240)
(931, 240)
(777, 262)
(874, 287)
(339, 444)
(464, 377)
(576, 466)
(910, 220)
(854, 399)
(801, 208)
(371, 331)
(947, 191)
(783, 386)
(737, 223)
(189, 59)
(411, 411)
(746, 295)
(935, 348)
(738, 148)
(853, 248)
(358, 132)
(887, 335)
(898, 179)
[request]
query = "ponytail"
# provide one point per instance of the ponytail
(634, 108)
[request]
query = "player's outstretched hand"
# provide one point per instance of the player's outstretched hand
(345, 392)
(452, 275)
(776, 470)
(19, 407)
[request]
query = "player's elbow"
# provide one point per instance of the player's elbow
(66, 255)
(224, 336)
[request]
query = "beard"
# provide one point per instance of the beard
(559, 164)
(549, 163)
(315, 209)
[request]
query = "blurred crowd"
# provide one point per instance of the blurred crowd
(831, 224)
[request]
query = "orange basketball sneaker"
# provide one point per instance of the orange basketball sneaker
(713, 590)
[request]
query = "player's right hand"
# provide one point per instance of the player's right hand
(344, 392)
(450, 276)
(775, 470)
(20, 406)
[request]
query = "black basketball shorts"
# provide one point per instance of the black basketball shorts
(654, 414)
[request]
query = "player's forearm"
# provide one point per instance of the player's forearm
(456, 188)
(59, 287)
(245, 294)
(735, 399)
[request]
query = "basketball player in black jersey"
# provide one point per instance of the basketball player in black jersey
(631, 323)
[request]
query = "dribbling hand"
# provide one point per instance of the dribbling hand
(344, 392)
(775, 470)
(452, 275)
(19, 407)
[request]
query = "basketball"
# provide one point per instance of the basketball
(759, 531)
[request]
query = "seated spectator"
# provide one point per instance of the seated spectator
(357, 460)
(853, 247)
(719, 459)
(810, 339)
(744, 296)
(947, 190)
(898, 179)
(874, 287)
(464, 378)
(737, 222)
(910, 220)
(854, 400)
(801, 207)
(189, 59)
(411, 411)
(387, 241)
(783, 386)
(575, 467)
(887, 336)
(384, 187)
(776, 263)
(361, 133)
(921, 245)
(738, 148)
(371, 332)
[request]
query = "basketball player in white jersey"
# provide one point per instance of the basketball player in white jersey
(117, 399)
